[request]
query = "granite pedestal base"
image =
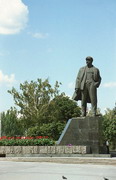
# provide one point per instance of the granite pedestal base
(85, 131)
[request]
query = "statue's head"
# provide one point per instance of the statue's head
(89, 58)
(89, 61)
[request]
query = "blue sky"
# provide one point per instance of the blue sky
(51, 39)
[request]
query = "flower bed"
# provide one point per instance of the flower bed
(26, 141)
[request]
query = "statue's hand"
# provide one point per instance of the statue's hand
(76, 90)
(96, 84)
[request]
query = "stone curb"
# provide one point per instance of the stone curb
(64, 160)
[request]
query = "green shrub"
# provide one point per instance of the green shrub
(52, 130)
(27, 142)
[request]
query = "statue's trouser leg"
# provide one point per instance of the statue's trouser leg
(84, 101)
(93, 97)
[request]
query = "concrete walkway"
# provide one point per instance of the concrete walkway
(10, 170)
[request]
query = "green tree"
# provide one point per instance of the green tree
(61, 109)
(11, 125)
(54, 119)
(109, 124)
(67, 108)
(43, 107)
(33, 100)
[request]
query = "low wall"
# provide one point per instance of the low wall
(42, 150)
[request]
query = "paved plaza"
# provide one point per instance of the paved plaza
(10, 170)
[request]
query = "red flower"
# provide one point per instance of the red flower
(23, 137)
(39, 137)
(18, 137)
(3, 137)
(9, 138)
(46, 137)
(28, 137)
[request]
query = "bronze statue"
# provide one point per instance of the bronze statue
(87, 82)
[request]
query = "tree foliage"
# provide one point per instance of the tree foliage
(44, 110)
(11, 125)
(67, 108)
(33, 99)
(109, 125)
(52, 130)
(54, 119)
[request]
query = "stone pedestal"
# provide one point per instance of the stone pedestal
(85, 131)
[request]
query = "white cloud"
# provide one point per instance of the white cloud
(39, 35)
(7, 79)
(13, 16)
(109, 85)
